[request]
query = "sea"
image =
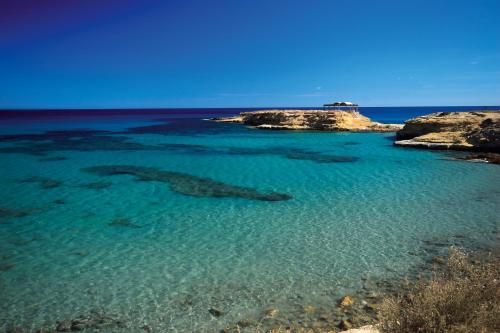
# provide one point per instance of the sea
(161, 221)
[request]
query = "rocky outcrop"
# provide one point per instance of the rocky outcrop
(476, 130)
(319, 120)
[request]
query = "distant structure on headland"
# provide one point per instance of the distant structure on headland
(341, 106)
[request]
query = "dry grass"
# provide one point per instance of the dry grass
(464, 297)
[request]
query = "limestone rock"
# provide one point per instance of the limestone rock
(320, 120)
(364, 329)
(272, 312)
(475, 130)
(346, 301)
(309, 309)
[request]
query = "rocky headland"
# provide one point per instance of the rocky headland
(476, 131)
(318, 120)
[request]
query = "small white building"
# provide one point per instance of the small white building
(349, 106)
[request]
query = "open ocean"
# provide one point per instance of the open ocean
(153, 217)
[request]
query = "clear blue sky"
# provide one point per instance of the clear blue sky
(230, 53)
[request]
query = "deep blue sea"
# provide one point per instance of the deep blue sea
(156, 216)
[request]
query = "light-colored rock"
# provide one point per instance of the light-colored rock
(319, 120)
(475, 130)
(346, 301)
(364, 329)
(272, 312)
(309, 309)
(236, 119)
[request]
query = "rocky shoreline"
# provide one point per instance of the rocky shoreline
(317, 120)
(473, 131)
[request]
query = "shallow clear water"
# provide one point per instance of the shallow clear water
(160, 253)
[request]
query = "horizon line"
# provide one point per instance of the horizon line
(228, 107)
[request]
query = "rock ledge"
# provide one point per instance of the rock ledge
(319, 120)
(474, 130)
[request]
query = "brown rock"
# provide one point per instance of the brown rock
(440, 260)
(475, 130)
(345, 325)
(346, 301)
(64, 326)
(371, 307)
(272, 312)
(319, 120)
(15, 329)
(245, 323)
(309, 309)
(215, 312)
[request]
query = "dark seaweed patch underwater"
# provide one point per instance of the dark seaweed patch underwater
(187, 184)
(92, 140)
(44, 182)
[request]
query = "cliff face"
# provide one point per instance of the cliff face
(453, 130)
(319, 120)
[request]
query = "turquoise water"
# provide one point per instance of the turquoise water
(160, 249)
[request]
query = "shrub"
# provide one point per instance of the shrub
(463, 297)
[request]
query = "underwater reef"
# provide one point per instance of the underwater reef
(89, 140)
(44, 182)
(187, 184)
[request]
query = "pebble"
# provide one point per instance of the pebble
(345, 325)
(272, 312)
(346, 301)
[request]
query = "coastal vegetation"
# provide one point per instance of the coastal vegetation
(462, 297)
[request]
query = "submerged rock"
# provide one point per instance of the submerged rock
(493, 158)
(272, 312)
(7, 212)
(6, 266)
(97, 185)
(321, 120)
(44, 182)
(15, 329)
(345, 325)
(94, 321)
(216, 312)
(124, 222)
(52, 159)
(309, 309)
(187, 184)
(346, 301)
(64, 326)
(475, 130)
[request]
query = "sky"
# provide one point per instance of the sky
(243, 53)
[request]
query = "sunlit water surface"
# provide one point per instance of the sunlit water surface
(149, 253)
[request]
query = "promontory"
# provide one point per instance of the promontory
(474, 130)
(318, 120)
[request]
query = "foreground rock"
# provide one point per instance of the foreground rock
(476, 131)
(364, 329)
(320, 120)
(480, 157)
